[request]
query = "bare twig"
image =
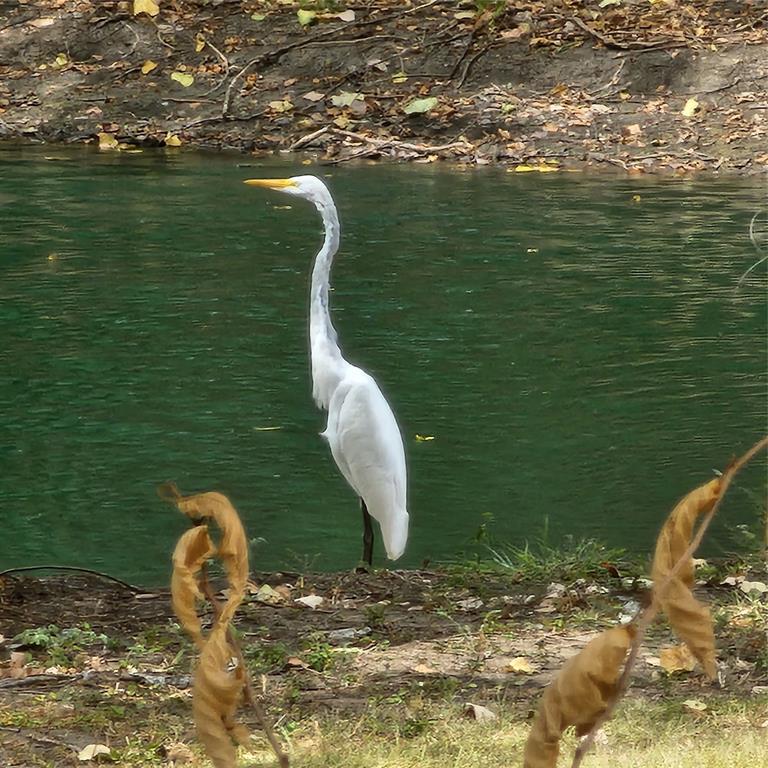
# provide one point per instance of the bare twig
(646, 616)
(753, 239)
(610, 42)
(308, 139)
(122, 583)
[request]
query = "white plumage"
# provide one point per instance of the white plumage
(362, 431)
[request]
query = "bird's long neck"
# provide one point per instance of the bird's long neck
(327, 360)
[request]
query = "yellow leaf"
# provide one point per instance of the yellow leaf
(182, 78)
(520, 665)
(636, 198)
(578, 695)
(107, 141)
(150, 7)
(148, 66)
(399, 77)
(305, 17)
(424, 438)
(540, 168)
(689, 110)
(60, 61)
(172, 140)
(281, 106)
(199, 43)
(342, 121)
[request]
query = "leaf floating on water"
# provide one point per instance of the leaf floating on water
(148, 66)
(107, 141)
(150, 7)
(183, 78)
(540, 168)
(424, 438)
(266, 429)
(578, 695)
(690, 108)
(306, 17)
(172, 140)
(420, 106)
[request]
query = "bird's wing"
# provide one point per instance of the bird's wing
(368, 448)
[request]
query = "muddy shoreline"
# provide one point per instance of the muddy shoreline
(643, 87)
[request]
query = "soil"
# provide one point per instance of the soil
(376, 639)
(532, 83)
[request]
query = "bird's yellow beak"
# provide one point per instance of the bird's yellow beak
(271, 183)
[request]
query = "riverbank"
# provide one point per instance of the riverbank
(668, 86)
(393, 657)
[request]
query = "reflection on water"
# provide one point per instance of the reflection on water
(581, 356)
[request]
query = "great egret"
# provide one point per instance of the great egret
(362, 432)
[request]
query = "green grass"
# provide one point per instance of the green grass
(643, 735)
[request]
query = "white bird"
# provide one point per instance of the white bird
(362, 432)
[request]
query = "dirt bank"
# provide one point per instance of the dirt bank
(646, 86)
(105, 664)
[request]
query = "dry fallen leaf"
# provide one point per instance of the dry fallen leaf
(479, 713)
(311, 601)
(148, 66)
(172, 140)
(520, 665)
(179, 754)
(678, 658)
(346, 16)
(695, 705)
(92, 752)
(690, 108)
(150, 7)
(578, 695)
(690, 619)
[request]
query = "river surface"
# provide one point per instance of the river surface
(575, 344)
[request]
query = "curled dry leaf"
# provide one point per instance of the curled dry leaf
(217, 689)
(480, 713)
(192, 550)
(233, 547)
(690, 619)
(578, 695)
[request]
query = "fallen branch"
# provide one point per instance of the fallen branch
(309, 138)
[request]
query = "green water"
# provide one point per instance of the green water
(580, 357)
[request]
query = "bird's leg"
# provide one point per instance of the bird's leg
(367, 535)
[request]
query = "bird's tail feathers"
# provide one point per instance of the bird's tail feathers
(395, 535)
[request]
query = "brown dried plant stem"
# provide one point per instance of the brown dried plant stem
(248, 695)
(646, 617)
